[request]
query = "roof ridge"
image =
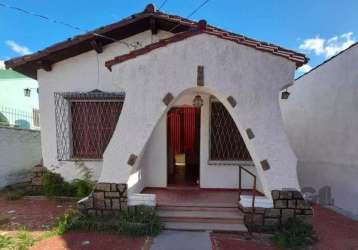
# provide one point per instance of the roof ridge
(201, 28)
(29, 64)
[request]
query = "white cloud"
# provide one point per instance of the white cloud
(2, 64)
(328, 47)
(314, 44)
(305, 68)
(20, 49)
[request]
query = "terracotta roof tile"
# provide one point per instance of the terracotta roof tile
(79, 44)
(298, 58)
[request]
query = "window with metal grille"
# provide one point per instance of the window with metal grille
(93, 124)
(226, 143)
(85, 123)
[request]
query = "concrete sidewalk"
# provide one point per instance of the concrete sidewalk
(182, 240)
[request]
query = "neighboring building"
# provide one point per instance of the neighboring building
(165, 101)
(19, 100)
(321, 118)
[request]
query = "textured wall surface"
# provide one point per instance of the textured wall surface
(20, 150)
(79, 73)
(321, 119)
(252, 77)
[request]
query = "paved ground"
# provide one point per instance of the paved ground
(181, 240)
(34, 215)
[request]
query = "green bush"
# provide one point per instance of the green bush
(139, 221)
(55, 185)
(295, 235)
(81, 188)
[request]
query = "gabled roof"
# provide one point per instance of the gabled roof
(201, 28)
(149, 19)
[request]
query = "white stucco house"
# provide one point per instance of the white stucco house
(156, 100)
(321, 121)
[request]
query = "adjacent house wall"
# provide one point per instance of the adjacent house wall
(20, 150)
(321, 119)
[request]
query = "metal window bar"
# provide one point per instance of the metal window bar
(226, 142)
(85, 122)
(253, 194)
(11, 117)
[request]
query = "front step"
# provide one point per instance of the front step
(201, 218)
(205, 226)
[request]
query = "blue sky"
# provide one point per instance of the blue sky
(319, 28)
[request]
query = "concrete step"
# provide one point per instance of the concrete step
(198, 207)
(206, 214)
(205, 226)
(201, 220)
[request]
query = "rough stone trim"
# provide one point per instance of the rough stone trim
(232, 101)
(168, 98)
(36, 180)
(265, 165)
(132, 159)
(107, 199)
(200, 75)
(250, 133)
(287, 204)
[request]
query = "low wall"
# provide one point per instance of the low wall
(20, 150)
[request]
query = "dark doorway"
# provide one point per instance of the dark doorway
(183, 136)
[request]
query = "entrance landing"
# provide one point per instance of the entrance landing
(190, 208)
(195, 196)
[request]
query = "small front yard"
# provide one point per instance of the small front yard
(28, 221)
(38, 215)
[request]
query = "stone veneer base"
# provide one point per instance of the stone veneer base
(286, 204)
(107, 199)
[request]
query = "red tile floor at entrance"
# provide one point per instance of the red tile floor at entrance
(195, 196)
(335, 232)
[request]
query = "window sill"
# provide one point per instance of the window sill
(232, 163)
(82, 159)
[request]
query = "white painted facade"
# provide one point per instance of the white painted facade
(321, 118)
(252, 77)
(20, 150)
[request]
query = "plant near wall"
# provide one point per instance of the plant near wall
(140, 220)
(85, 185)
(55, 185)
(295, 235)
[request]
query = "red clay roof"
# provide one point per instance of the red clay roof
(201, 28)
(29, 64)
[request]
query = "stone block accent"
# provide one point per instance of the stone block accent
(287, 204)
(107, 199)
(200, 75)
(132, 159)
(232, 101)
(168, 98)
(36, 179)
